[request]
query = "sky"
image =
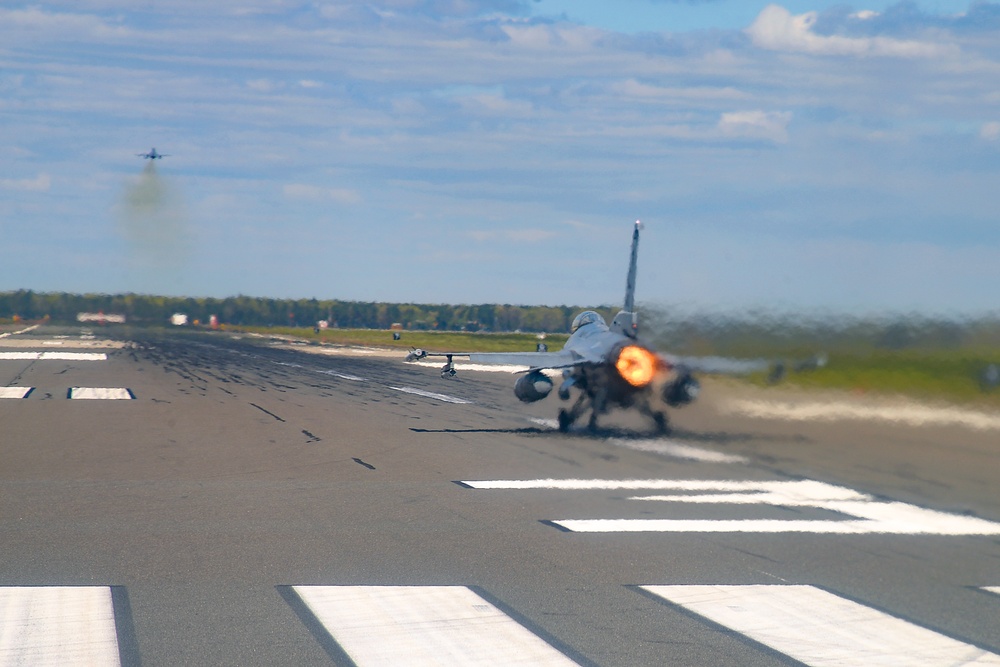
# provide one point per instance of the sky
(808, 155)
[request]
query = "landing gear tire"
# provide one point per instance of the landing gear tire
(592, 422)
(565, 419)
(662, 424)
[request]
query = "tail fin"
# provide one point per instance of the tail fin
(626, 322)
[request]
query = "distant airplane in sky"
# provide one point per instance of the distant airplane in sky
(608, 365)
(151, 155)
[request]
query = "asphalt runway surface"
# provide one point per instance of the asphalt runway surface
(209, 500)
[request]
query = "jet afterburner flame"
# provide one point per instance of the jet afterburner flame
(636, 365)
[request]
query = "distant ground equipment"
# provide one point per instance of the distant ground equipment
(101, 318)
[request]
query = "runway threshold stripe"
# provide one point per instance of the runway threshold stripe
(423, 625)
(818, 628)
(101, 393)
(57, 625)
(63, 356)
(75, 356)
(19, 355)
(15, 392)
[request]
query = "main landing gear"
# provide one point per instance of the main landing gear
(598, 405)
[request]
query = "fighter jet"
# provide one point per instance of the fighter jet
(151, 155)
(607, 366)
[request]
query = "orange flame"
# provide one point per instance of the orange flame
(636, 365)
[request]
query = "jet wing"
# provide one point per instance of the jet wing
(719, 365)
(533, 360)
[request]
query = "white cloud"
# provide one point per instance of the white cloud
(579, 225)
(544, 36)
(515, 235)
(41, 183)
(316, 193)
(771, 125)
(776, 29)
(407, 106)
(529, 235)
(33, 21)
(864, 15)
(645, 91)
(495, 105)
(990, 131)
(263, 85)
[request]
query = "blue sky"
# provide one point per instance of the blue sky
(790, 156)
(634, 16)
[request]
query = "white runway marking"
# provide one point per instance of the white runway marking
(63, 356)
(344, 376)
(819, 628)
(101, 393)
(829, 490)
(912, 414)
(14, 392)
(863, 513)
(75, 356)
(430, 394)
(663, 446)
(19, 355)
(14, 333)
(423, 625)
(58, 626)
(678, 450)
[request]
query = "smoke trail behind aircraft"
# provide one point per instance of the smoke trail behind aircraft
(153, 221)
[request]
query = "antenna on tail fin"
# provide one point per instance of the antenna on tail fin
(626, 322)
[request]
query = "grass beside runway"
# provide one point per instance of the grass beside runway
(953, 376)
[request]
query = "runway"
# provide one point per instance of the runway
(174, 498)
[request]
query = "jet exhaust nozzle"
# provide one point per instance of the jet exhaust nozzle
(636, 365)
(532, 387)
(681, 391)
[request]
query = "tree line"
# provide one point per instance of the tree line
(258, 311)
(670, 329)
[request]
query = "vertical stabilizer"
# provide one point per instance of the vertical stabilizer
(626, 322)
